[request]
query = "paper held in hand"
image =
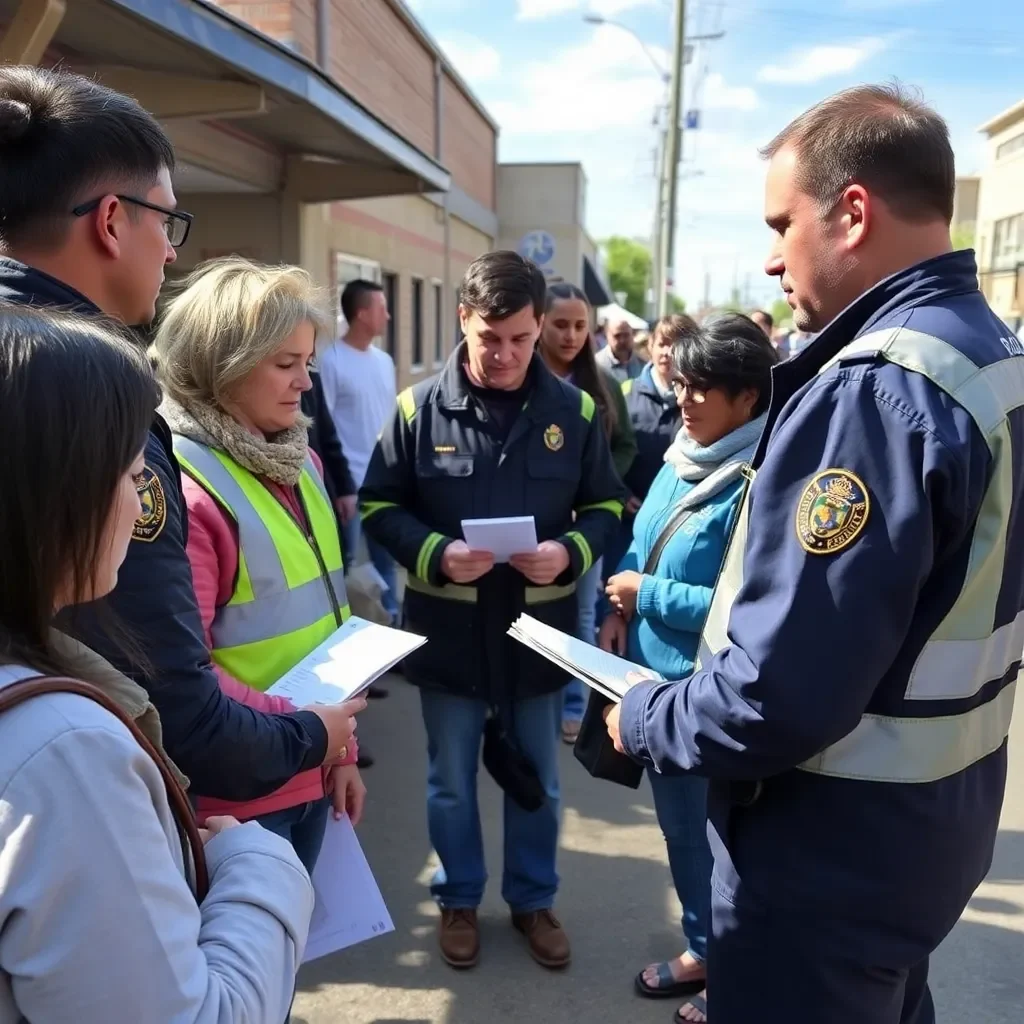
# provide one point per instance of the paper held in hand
(600, 670)
(503, 538)
(346, 663)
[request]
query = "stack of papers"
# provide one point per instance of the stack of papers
(503, 538)
(346, 663)
(349, 907)
(600, 670)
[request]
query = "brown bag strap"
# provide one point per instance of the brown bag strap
(17, 693)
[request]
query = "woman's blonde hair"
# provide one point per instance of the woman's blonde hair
(231, 314)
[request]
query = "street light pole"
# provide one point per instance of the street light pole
(666, 259)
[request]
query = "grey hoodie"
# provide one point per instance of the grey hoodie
(97, 923)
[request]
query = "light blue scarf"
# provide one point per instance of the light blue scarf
(693, 461)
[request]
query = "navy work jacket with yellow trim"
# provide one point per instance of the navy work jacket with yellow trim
(853, 713)
(440, 461)
(226, 749)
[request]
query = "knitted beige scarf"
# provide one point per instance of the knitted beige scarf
(280, 457)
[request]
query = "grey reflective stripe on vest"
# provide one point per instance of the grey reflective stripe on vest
(965, 652)
(275, 609)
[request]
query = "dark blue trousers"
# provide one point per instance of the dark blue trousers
(773, 966)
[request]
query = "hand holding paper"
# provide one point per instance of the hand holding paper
(544, 565)
(502, 537)
(461, 564)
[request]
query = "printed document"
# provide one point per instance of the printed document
(513, 535)
(600, 670)
(346, 663)
(349, 907)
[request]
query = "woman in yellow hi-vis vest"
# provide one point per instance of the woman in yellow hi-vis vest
(233, 352)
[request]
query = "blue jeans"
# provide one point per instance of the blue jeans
(303, 826)
(587, 595)
(382, 562)
(681, 803)
(455, 727)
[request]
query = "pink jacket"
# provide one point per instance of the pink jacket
(213, 552)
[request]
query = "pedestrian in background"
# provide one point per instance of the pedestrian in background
(359, 389)
(232, 354)
(618, 355)
(99, 918)
(858, 662)
(496, 434)
(567, 351)
(89, 222)
(661, 591)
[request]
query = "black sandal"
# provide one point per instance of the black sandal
(667, 987)
(699, 1003)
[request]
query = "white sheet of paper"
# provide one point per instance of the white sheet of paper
(504, 537)
(349, 907)
(346, 663)
(600, 670)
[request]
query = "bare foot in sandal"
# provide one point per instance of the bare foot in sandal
(696, 1010)
(680, 970)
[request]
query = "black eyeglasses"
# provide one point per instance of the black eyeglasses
(177, 224)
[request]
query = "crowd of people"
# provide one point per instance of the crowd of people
(811, 557)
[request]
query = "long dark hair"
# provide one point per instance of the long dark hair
(76, 402)
(586, 374)
(727, 351)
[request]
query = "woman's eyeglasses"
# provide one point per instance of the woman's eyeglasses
(697, 395)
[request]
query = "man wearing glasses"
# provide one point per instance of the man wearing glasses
(618, 356)
(88, 221)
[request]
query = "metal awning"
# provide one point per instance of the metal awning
(187, 59)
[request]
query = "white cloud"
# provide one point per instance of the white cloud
(719, 95)
(534, 10)
(478, 62)
(812, 65)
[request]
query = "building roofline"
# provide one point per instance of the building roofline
(410, 19)
(1007, 118)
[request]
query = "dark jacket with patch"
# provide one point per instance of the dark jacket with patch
(439, 462)
(228, 750)
(656, 422)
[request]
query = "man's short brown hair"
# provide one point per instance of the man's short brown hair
(880, 136)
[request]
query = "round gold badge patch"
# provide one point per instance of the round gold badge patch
(832, 512)
(554, 438)
(150, 524)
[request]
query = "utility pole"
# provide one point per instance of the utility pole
(672, 154)
(657, 267)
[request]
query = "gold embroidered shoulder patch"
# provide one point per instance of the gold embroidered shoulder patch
(150, 524)
(832, 512)
(554, 438)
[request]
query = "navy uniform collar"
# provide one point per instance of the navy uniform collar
(452, 390)
(21, 283)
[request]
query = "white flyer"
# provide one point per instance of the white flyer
(503, 537)
(349, 908)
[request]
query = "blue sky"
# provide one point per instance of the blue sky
(562, 89)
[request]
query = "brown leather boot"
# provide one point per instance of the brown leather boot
(459, 938)
(549, 945)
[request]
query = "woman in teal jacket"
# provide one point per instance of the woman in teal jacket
(722, 382)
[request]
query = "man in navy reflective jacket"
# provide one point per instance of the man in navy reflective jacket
(88, 221)
(857, 668)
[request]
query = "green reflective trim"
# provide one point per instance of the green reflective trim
(426, 553)
(468, 595)
(407, 403)
(587, 406)
(615, 507)
(627, 386)
(581, 542)
(369, 508)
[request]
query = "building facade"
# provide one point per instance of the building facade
(1000, 217)
(542, 216)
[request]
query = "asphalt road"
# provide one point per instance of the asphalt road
(616, 902)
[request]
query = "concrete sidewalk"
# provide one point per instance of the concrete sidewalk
(616, 902)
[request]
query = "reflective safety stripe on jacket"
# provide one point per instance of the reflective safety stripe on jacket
(966, 651)
(289, 593)
(468, 595)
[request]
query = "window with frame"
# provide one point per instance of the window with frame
(1010, 146)
(390, 284)
(1008, 242)
(417, 322)
(438, 324)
